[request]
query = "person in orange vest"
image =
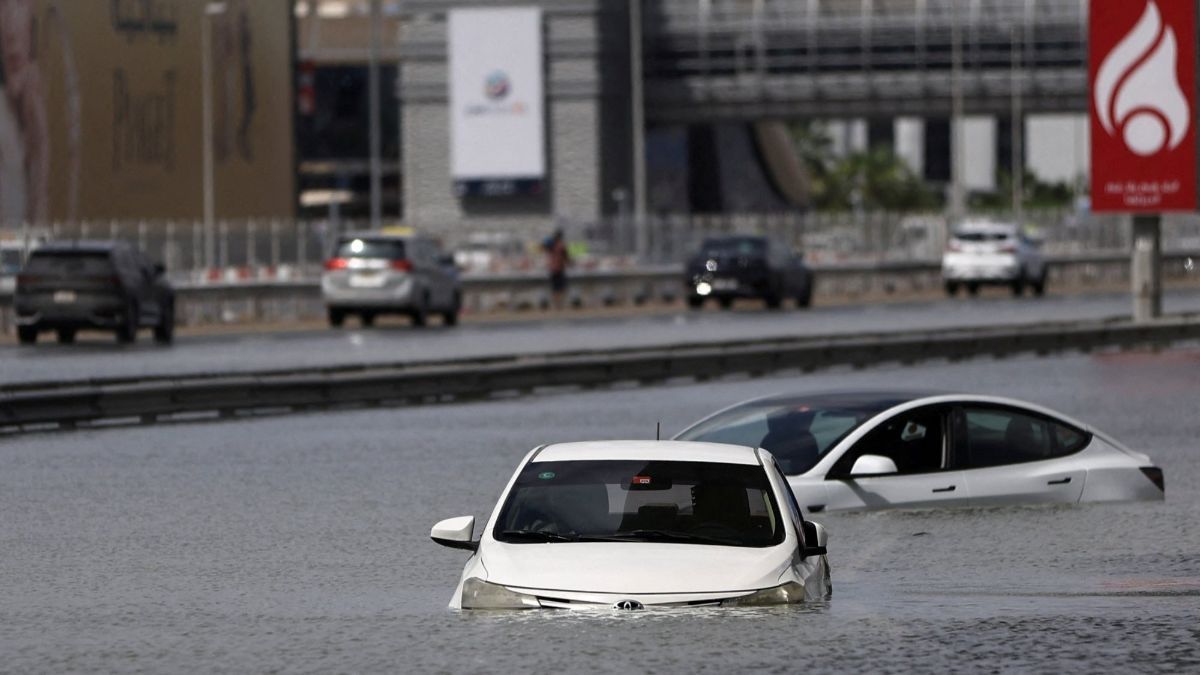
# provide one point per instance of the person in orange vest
(557, 261)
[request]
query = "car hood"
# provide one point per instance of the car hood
(634, 567)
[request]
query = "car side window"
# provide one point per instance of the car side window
(988, 436)
(914, 440)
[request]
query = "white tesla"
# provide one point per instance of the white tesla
(635, 524)
(873, 450)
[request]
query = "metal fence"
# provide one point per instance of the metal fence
(296, 249)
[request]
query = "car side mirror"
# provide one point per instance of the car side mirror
(159, 269)
(815, 539)
(873, 465)
(455, 533)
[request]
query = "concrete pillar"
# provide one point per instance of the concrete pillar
(1145, 269)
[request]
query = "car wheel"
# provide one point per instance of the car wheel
(725, 303)
(336, 317)
(367, 319)
(1018, 287)
(420, 314)
(66, 336)
(695, 301)
(127, 331)
(952, 288)
(164, 332)
(1039, 286)
(804, 300)
(972, 289)
(450, 316)
(27, 335)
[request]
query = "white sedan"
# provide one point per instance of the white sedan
(985, 252)
(636, 524)
(874, 450)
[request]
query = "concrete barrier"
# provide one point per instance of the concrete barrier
(67, 404)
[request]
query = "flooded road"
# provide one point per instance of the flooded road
(300, 544)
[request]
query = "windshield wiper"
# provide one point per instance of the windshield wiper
(664, 535)
(536, 535)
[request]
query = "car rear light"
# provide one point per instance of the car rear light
(953, 246)
(336, 264)
(24, 279)
(1155, 475)
(402, 265)
(1009, 248)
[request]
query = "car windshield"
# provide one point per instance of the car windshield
(704, 503)
(740, 246)
(357, 247)
(798, 432)
(69, 263)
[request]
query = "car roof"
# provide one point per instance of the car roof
(80, 245)
(682, 451)
(377, 236)
(986, 226)
(856, 398)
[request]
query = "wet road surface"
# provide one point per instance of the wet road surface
(96, 355)
(300, 544)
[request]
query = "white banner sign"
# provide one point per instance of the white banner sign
(497, 130)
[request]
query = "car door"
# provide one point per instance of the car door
(1012, 456)
(917, 442)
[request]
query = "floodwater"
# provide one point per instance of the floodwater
(300, 544)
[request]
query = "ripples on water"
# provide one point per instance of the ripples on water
(300, 544)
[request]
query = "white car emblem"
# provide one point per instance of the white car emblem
(1137, 93)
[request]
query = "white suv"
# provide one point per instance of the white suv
(985, 252)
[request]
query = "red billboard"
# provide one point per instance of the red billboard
(1142, 71)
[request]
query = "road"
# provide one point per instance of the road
(99, 356)
(300, 543)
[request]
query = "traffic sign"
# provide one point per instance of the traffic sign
(1142, 72)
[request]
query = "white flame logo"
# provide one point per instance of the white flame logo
(1137, 94)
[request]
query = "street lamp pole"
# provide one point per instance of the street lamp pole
(374, 113)
(638, 117)
(211, 10)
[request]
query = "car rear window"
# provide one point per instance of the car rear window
(392, 249)
(70, 262)
(10, 261)
(735, 246)
(982, 236)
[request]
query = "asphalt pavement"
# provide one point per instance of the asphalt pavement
(98, 356)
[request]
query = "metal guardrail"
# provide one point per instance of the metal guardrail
(65, 405)
(292, 299)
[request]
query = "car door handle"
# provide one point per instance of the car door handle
(1060, 481)
(945, 489)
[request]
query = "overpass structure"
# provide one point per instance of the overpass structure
(752, 59)
(721, 69)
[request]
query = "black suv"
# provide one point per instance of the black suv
(743, 266)
(66, 286)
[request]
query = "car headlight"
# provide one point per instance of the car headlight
(479, 594)
(703, 288)
(787, 594)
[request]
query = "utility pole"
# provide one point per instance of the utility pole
(638, 119)
(958, 205)
(374, 118)
(211, 10)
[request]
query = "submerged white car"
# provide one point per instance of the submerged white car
(637, 524)
(874, 450)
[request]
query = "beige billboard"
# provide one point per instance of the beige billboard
(101, 112)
